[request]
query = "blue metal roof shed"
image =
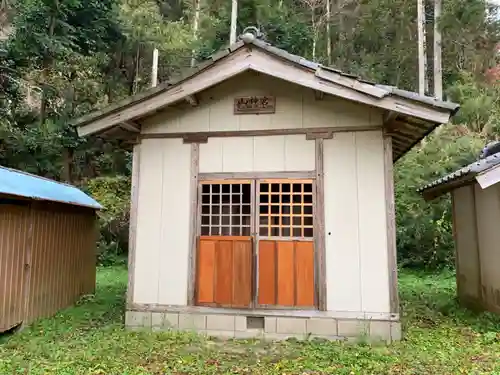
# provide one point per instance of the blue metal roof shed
(48, 240)
(26, 185)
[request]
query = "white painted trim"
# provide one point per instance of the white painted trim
(488, 178)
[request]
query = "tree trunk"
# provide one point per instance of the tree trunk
(47, 64)
(67, 165)
(328, 36)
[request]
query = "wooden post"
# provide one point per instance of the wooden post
(154, 69)
(422, 58)
(234, 20)
(391, 225)
(438, 73)
(194, 222)
(132, 234)
(319, 227)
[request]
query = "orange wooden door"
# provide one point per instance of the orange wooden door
(286, 273)
(224, 272)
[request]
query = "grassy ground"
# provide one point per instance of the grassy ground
(440, 339)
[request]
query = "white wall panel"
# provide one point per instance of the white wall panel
(343, 278)
(162, 245)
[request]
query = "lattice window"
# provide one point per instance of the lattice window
(286, 209)
(226, 208)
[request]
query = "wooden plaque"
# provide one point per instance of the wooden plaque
(254, 105)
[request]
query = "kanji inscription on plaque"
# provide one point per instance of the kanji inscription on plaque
(254, 104)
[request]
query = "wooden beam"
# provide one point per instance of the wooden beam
(194, 138)
(256, 175)
(192, 100)
(319, 95)
(391, 226)
(316, 135)
(132, 235)
(389, 117)
(319, 227)
(130, 126)
(194, 216)
(256, 133)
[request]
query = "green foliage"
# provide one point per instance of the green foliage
(66, 58)
(424, 229)
(439, 338)
(113, 193)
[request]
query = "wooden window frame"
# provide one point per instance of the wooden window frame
(255, 178)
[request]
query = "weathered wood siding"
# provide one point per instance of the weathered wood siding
(162, 244)
(466, 244)
(47, 259)
(296, 107)
(13, 227)
(488, 217)
(355, 223)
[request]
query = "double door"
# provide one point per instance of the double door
(256, 244)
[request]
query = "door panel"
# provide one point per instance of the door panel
(267, 273)
(286, 273)
(205, 272)
(224, 276)
(304, 273)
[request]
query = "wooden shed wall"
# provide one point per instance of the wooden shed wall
(476, 214)
(488, 217)
(47, 259)
(466, 244)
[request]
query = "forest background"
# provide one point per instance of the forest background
(60, 59)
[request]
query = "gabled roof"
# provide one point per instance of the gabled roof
(412, 116)
(26, 185)
(459, 177)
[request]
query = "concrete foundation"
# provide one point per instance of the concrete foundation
(270, 327)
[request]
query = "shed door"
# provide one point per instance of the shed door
(225, 261)
(13, 231)
(286, 260)
(256, 244)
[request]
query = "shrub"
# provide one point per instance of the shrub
(113, 193)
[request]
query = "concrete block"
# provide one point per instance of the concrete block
(353, 328)
(380, 330)
(270, 324)
(171, 320)
(220, 322)
(219, 333)
(322, 326)
(192, 322)
(157, 319)
(296, 326)
(396, 331)
(240, 323)
(138, 319)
